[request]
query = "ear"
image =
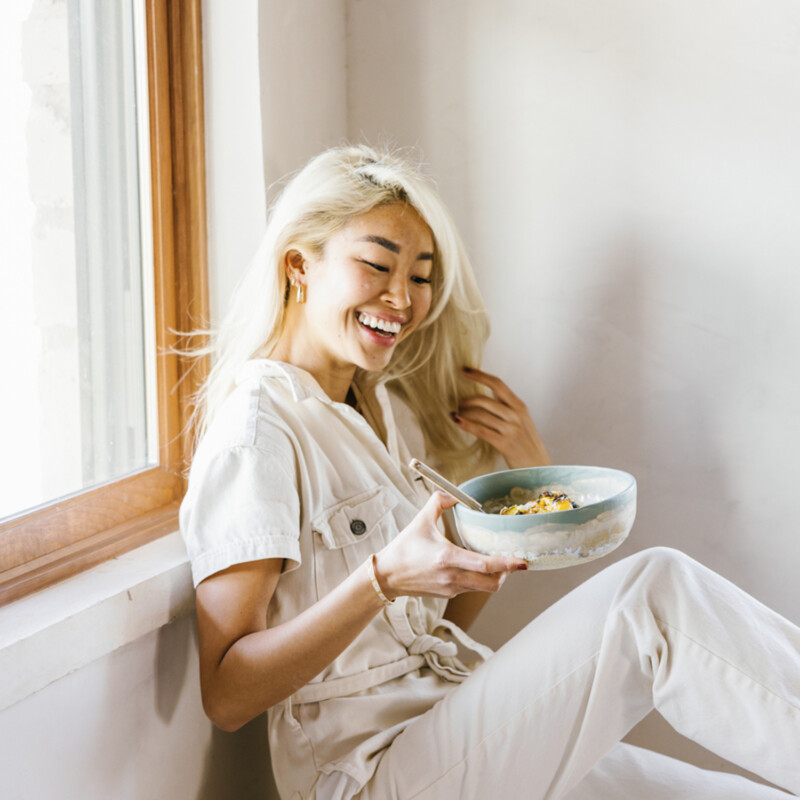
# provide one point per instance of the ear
(294, 264)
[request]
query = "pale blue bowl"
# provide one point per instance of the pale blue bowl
(607, 500)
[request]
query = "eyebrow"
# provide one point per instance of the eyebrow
(392, 246)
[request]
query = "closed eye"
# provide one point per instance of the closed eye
(377, 267)
(418, 279)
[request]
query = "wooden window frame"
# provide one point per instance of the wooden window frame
(72, 534)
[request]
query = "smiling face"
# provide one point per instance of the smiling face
(368, 291)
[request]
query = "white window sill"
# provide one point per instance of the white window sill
(60, 629)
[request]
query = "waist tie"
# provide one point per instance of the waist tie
(426, 643)
(425, 649)
(350, 684)
(421, 632)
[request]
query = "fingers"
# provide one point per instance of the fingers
(471, 561)
(437, 503)
(482, 574)
(480, 416)
(463, 570)
(494, 383)
(486, 583)
(454, 557)
(462, 582)
(421, 561)
(489, 435)
(503, 421)
(489, 405)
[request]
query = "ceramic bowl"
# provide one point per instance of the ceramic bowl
(607, 507)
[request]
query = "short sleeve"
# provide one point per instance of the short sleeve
(242, 505)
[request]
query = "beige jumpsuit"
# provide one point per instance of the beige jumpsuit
(284, 472)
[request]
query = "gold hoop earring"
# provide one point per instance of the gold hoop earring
(301, 295)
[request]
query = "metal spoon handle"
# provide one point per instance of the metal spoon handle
(444, 484)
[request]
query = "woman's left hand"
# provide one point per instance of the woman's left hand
(502, 420)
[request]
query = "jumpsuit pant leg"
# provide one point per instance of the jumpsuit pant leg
(655, 630)
(633, 773)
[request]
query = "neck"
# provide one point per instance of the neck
(295, 347)
(337, 386)
(334, 380)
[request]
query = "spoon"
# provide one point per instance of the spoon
(445, 485)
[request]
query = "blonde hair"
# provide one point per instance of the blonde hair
(425, 370)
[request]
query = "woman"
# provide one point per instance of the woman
(328, 594)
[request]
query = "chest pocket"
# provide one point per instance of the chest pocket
(346, 534)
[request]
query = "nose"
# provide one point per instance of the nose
(396, 293)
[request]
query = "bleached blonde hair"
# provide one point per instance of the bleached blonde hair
(425, 369)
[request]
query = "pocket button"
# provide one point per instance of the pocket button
(357, 527)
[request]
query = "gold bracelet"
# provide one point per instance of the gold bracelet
(375, 585)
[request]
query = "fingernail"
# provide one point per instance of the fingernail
(522, 566)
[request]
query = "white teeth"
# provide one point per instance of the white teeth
(380, 324)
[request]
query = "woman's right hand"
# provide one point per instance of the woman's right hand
(420, 561)
(246, 667)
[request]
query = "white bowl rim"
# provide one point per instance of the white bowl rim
(550, 516)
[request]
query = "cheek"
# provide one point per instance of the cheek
(344, 293)
(423, 306)
(354, 286)
(368, 283)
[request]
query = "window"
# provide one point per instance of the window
(112, 140)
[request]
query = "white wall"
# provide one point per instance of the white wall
(236, 201)
(130, 726)
(627, 177)
(303, 82)
(275, 86)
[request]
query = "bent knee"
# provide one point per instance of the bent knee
(664, 554)
(662, 559)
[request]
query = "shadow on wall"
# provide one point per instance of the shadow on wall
(235, 764)
(238, 765)
(174, 645)
(302, 75)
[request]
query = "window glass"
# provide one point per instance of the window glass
(76, 404)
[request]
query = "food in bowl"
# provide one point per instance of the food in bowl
(544, 503)
(606, 500)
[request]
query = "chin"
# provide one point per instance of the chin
(374, 363)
